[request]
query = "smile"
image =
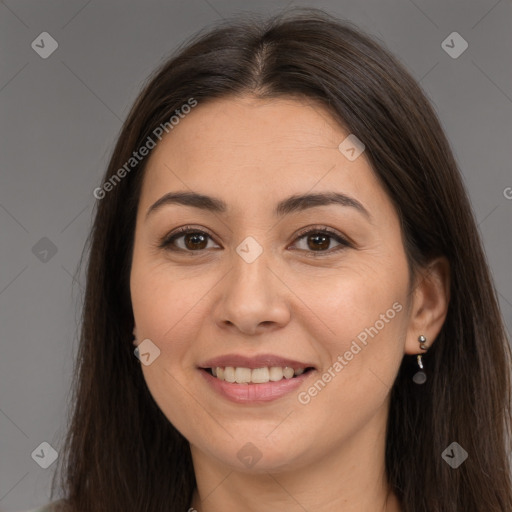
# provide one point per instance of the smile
(242, 375)
(251, 392)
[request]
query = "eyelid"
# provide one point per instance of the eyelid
(323, 229)
(342, 240)
(183, 230)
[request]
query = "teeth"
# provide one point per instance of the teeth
(288, 372)
(260, 375)
(276, 373)
(242, 375)
(229, 374)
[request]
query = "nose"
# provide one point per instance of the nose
(253, 299)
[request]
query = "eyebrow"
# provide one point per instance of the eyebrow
(292, 204)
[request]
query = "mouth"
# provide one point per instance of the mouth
(257, 379)
(263, 375)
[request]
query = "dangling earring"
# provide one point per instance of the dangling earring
(420, 377)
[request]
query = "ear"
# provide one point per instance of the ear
(429, 304)
(135, 338)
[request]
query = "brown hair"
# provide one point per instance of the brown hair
(121, 453)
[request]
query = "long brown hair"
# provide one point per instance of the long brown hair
(122, 454)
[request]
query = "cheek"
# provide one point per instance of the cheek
(167, 311)
(363, 309)
(361, 335)
(164, 307)
(361, 300)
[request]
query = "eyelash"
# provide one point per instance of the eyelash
(168, 241)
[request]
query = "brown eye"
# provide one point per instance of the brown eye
(194, 241)
(316, 242)
(187, 240)
(319, 241)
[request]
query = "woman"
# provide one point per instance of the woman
(283, 235)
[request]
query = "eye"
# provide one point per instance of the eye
(191, 240)
(318, 240)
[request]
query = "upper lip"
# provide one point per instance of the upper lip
(259, 361)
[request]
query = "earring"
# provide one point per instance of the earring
(420, 377)
(134, 338)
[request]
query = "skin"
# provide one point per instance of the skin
(251, 153)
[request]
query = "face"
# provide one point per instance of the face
(262, 287)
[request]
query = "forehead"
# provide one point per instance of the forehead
(240, 126)
(248, 148)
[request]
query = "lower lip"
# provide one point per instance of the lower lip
(252, 393)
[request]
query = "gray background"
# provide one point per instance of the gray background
(60, 117)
